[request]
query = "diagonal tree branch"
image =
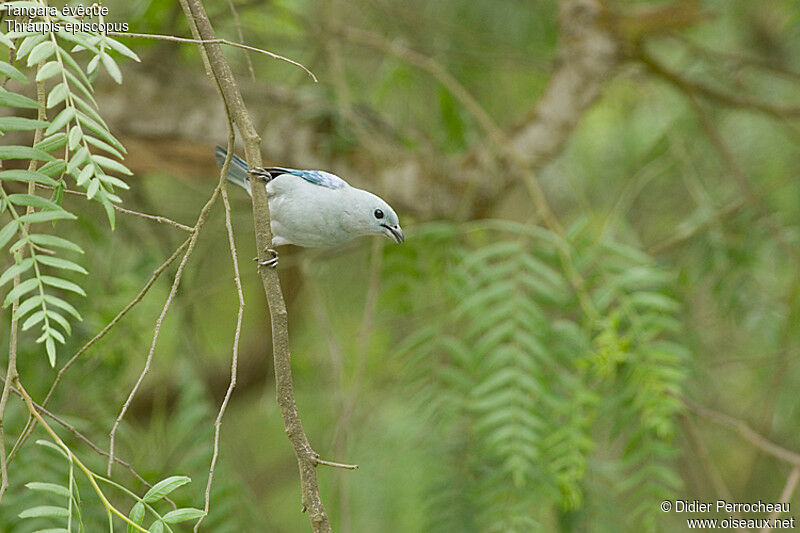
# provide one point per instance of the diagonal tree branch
(307, 459)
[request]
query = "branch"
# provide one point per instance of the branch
(786, 495)
(80, 436)
(201, 219)
(213, 41)
(729, 99)
(155, 218)
(237, 280)
(223, 77)
(744, 430)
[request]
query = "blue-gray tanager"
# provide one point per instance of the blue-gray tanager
(314, 208)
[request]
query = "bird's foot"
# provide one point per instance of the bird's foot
(261, 174)
(272, 262)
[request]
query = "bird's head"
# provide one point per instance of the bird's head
(368, 214)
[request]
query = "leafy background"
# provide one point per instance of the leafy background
(492, 373)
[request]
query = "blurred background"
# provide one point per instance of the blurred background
(599, 285)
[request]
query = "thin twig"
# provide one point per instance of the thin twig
(728, 99)
(237, 281)
(238, 24)
(744, 430)
(201, 219)
(155, 218)
(214, 41)
(688, 234)
(432, 67)
(786, 495)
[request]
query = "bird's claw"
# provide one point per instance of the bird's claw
(272, 262)
(261, 174)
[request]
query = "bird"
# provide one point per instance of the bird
(314, 208)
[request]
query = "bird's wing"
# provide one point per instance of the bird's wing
(315, 177)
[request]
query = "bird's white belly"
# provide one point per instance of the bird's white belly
(304, 216)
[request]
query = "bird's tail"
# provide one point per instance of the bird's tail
(237, 170)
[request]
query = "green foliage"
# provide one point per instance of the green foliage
(526, 384)
(75, 133)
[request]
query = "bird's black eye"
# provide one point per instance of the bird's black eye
(378, 214)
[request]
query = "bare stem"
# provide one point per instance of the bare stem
(237, 280)
(214, 41)
(201, 219)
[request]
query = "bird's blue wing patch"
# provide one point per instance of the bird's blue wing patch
(316, 177)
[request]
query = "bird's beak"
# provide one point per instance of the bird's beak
(394, 233)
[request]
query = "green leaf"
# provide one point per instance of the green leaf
(20, 124)
(92, 189)
(52, 240)
(50, 346)
(58, 262)
(41, 52)
(58, 302)
(45, 511)
(87, 108)
(57, 95)
(33, 200)
(24, 152)
(8, 231)
(23, 288)
(48, 70)
(156, 527)
(84, 175)
(110, 211)
(66, 57)
(122, 49)
(53, 446)
(9, 70)
(136, 516)
(91, 68)
(51, 143)
(110, 164)
(29, 305)
(9, 99)
(62, 284)
(47, 216)
(80, 85)
(27, 175)
(111, 67)
(114, 181)
(164, 487)
(77, 159)
(53, 168)
(15, 270)
(32, 320)
(75, 136)
(83, 42)
(103, 146)
(61, 321)
(61, 120)
(28, 43)
(182, 515)
(93, 126)
(54, 333)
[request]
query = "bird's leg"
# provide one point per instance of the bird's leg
(272, 262)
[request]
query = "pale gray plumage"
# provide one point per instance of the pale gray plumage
(313, 208)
